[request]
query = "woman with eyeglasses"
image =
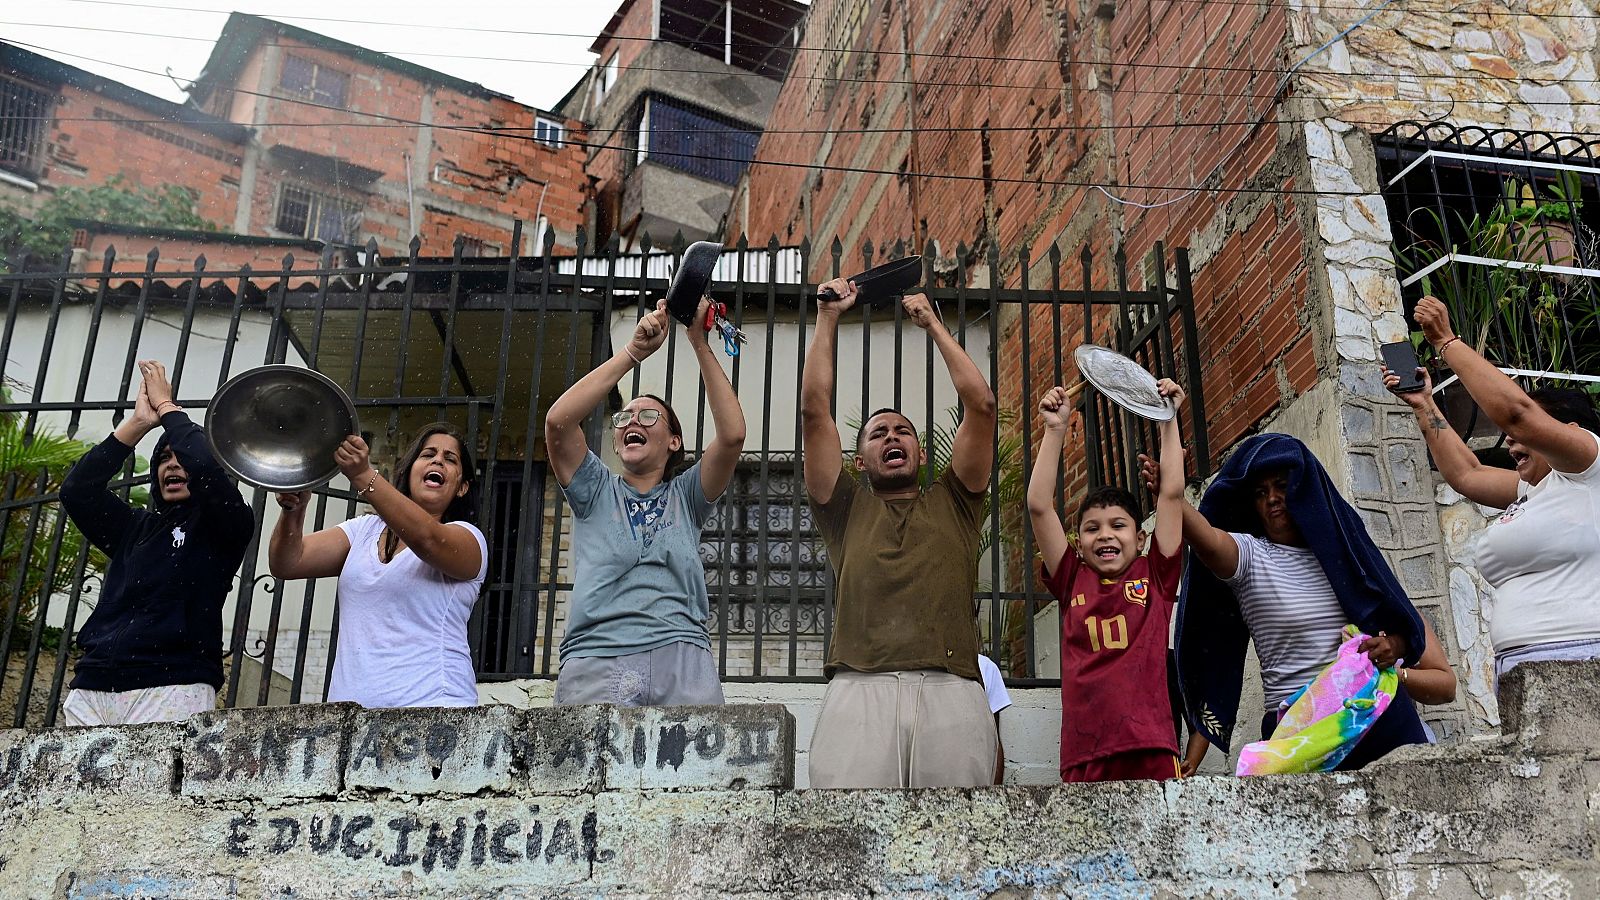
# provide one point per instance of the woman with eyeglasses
(637, 629)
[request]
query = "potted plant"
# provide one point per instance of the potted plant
(1517, 316)
(1549, 213)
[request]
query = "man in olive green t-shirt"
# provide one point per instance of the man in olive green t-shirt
(904, 705)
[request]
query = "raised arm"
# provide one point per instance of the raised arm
(209, 483)
(819, 436)
(451, 549)
(1477, 482)
(563, 422)
(1047, 528)
(101, 515)
(722, 454)
(972, 451)
(1213, 547)
(293, 554)
(1169, 496)
(1568, 449)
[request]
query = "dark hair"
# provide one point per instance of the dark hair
(1107, 496)
(463, 508)
(675, 461)
(862, 431)
(1568, 405)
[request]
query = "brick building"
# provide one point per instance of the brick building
(296, 136)
(1269, 140)
(676, 102)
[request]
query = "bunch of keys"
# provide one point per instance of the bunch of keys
(717, 318)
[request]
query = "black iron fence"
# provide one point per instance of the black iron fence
(488, 345)
(1502, 226)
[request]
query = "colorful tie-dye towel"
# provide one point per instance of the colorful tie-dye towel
(1327, 717)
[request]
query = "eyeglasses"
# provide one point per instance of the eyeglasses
(646, 417)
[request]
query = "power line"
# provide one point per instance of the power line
(780, 163)
(1127, 64)
(825, 167)
(1254, 4)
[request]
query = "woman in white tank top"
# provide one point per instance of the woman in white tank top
(1542, 555)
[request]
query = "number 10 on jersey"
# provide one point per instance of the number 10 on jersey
(1110, 634)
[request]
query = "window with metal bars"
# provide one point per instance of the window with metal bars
(763, 554)
(313, 81)
(23, 112)
(679, 136)
(1502, 227)
(306, 213)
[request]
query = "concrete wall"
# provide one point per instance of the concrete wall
(1030, 729)
(335, 801)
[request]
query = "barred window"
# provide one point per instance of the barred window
(471, 246)
(763, 554)
(313, 81)
(549, 132)
(23, 110)
(695, 141)
(306, 213)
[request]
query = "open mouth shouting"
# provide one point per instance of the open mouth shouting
(1107, 552)
(433, 478)
(894, 458)
(174, 480)
(634, 438)
(1519, 458)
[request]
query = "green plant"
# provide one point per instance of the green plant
(46, 233)
(25, 458)
(1560, 201)
(1516, 314)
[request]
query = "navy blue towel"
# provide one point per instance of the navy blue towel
(1212, 636)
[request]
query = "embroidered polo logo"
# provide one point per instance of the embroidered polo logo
(178, 537)
(1137, 591)
(1079, 600)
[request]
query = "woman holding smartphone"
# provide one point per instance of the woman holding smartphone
(1542, 555)
(637, 629)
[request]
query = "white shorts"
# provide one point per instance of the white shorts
(166, 703)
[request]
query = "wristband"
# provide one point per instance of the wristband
(628, 349)
(166, 403)
(1446, 344)
(372, 483)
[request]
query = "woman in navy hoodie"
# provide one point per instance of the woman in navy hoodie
(152, 648)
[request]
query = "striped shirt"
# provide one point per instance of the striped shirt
(1293, 615)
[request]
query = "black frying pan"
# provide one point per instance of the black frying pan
(689, 283)
(890, 279)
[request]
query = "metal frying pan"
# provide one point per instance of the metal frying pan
(276, 427)
(689, 283)
(1123, 382)
(889, 279)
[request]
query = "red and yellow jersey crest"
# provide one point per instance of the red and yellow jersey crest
(1137, 591)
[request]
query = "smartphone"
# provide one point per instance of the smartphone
(1401, 358)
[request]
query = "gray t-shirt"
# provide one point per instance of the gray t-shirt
(1291, 610)
(638, 582)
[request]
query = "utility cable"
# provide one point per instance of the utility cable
(1127, 64)
(825, 167)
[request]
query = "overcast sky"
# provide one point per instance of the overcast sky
(535, 68)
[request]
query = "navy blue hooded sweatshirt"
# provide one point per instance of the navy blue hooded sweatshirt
(159, 619)
(1211, 632)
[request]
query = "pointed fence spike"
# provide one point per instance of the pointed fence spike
(416, 244)
(742, 243)
(200, 263)
(772, 244)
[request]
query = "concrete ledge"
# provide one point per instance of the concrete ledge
(333, 802)
(137, 760)
(1552, 706)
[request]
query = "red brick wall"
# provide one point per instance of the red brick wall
(92, 139)
(482, 175)
(1079, 100)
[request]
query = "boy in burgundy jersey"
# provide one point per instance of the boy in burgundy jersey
(1116, 604)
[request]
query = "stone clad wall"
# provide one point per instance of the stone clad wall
(334, 801)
